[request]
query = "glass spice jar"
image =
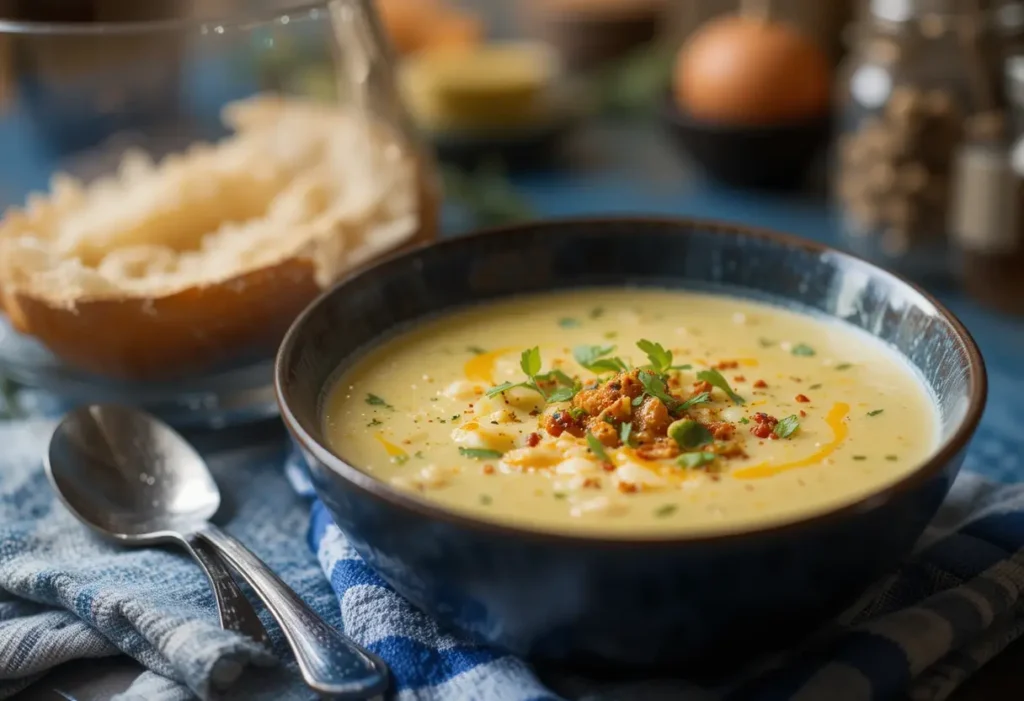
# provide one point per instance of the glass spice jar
(912, 82)
(987, 221)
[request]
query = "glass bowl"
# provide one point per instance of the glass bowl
(176, 187)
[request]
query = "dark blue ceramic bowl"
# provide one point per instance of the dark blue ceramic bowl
(604, 603)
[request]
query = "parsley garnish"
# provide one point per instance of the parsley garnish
(689, 434)
(626, 433)
(400, 459)
(656, 387)
(374, 400)
(375, 422)
(802, 349)
(692, 460)
(597, 448)
(530, 364)
(715, 379)
(876, 412)
(593, 359)
(568, 323)
(661, 359)
(665, 511)
(485, 499)
(476, 350)
(787, 426)
(696, 399)
(480, 453)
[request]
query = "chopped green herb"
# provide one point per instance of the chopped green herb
(876, 412)
(443, 421)
(374, 400)
(656, 387)
(456, 417)
(787, 426)
(689, 434)
(817, 386)
(475, 350)
(802, 349)
(503, 387)
(596, 312)
(766, 343)
(659, 358)
(844, 366)
(562, 394)
(665, 511)
(892, 458)
(400, 459)
(860, 457)
(577, 413)
(486, 500)
(702, 398)
(593, 359)
(559, 495)
(568, 323)
(529, 361)
(374, 422)
(611, 334)
(715, 379)
(418, 454)
(480, 453)
(626, 433)
(692, 460)
(681, 367)
(744, 420)
(597, 448)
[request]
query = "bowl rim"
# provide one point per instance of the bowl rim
(369, 486)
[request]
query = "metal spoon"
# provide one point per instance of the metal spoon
(130, 477)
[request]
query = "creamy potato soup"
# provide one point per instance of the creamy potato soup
(632, 412)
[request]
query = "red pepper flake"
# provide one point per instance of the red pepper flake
(533, 439)
(591, 483)
(739, 378)
(627, 487)
(488, 469)
(608, 467)
(764, 425)
(535, 412)
(802, 398)
(760, 384)
(702, 386)
(728, 365)
(803, 413)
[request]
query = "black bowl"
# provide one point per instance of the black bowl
(774, 157)
(615, 602)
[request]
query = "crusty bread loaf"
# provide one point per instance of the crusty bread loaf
(168, 268)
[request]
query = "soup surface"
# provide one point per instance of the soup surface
(633, 412)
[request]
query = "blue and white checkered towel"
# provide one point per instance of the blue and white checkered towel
(65, 595)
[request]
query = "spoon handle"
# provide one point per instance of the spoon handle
(236, 613)
(330, 662)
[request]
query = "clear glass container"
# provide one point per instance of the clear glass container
(912, 85)
(175, 187)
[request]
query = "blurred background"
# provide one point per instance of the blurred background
(885, 127)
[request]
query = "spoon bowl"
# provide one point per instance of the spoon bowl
(128, 477)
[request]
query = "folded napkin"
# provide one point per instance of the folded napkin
(64, 595)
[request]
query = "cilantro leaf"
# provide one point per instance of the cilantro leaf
(660, 358)
(597, 448)
(562, 394)
(787, 426)
(503, 387)
(568, 322)
(656, 387)
(696, 399)
(593, 359)
(480, 453)
(876, 412)
(692, 460)
(665, 511)
(802, 349)
(626, 433)
(689, 434)
(715, 379)
(529, 361)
